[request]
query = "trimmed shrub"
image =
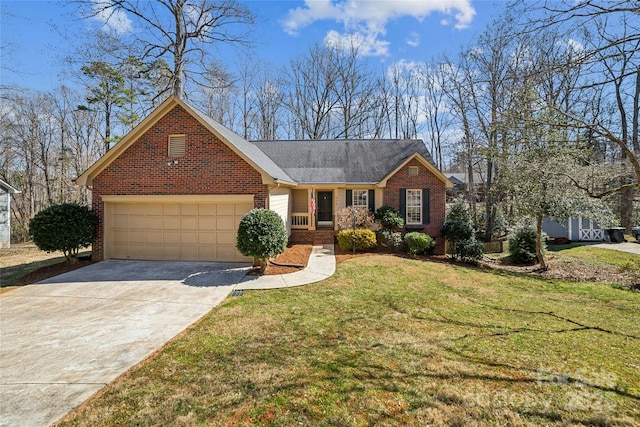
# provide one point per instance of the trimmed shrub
(455, 231)
(389, 217)
(470, 250)
(364, 239)
(262, 235)
(459, 211)
(67, 227)
(522, 245)
(346, 217)
(389, 238)
(419, 243)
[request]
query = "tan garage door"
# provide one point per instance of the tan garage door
(174, 231)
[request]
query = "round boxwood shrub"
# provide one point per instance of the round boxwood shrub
(389, 217)
(419, 243)
(364, 239)
(67, 227)
(262, 235)
(522, 245)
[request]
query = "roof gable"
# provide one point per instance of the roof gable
(257, 159)
(362, 161)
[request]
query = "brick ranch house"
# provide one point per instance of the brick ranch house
(176, 186)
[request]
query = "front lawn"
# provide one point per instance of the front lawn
(396, 341)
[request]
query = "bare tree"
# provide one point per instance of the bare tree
(439, 119)
(311, 86)
(608, 35)
(268, 104)
(180, 32)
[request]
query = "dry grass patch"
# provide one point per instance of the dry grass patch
(395, 341)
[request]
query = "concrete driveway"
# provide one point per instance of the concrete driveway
(67, 337)
(631, 247)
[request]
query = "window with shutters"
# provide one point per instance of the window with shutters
(176, 145)
(414, 206)
(360, 199)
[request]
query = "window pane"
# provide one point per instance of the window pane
(414, 206)
(360, 198)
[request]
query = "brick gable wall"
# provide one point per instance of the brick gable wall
(208, 167)
(425, 179)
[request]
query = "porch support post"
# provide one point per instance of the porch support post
(312, 215)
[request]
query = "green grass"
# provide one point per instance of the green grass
(395, 341)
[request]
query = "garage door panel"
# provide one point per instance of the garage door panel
(137, 210)
(171, 238)
(155, 210)
(189, 223)
(207, 253)
(225, 238)
(226, 253)
(207, 210)
(189, 210)
(171, 222)
(138, 237)
(224, 223)
(153, 237)
(172, 252)
(189, 238)
(174, 231)
(137, 222)
(207, 223)
(155, 222)
(120, 221)
(120, 236)
(189, 252)
(223, 209)
(137, 251)
(119, 250)
(155, 251)
(205, 238)
(242, 208)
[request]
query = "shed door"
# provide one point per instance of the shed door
(174, 231)
(589, 231)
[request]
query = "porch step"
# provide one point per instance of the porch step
(322, 237)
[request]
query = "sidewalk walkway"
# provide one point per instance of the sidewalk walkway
(321, 265)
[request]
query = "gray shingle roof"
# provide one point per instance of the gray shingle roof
(341, 161)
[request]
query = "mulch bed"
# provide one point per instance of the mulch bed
(293, 254)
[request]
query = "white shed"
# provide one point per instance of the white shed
(5, 213)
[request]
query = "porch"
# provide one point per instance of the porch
(312, 210)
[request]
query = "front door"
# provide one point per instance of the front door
(325, 208)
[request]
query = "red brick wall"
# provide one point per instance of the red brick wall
(425, 179)
(208, 167)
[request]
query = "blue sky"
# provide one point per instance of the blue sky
(388, 31)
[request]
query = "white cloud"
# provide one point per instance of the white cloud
(365, 44)
(414, 39)
(366, 20)
(353, 13)
(115, 20)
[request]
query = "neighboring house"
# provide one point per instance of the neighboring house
(178, 184)
(5, 213)
(460, 187)
(575, 228)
